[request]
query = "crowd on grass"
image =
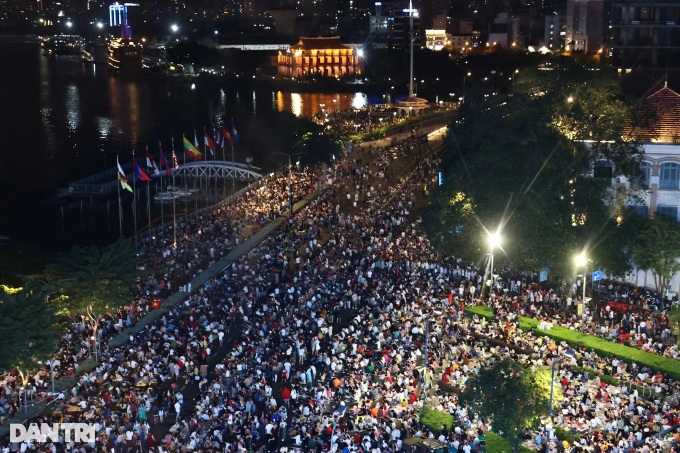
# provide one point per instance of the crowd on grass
(314, 341)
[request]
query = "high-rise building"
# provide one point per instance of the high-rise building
(554, 32)
(585, 26)
(646, 32)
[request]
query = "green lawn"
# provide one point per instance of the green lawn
(599, 345)
(434, 420)
(497, 444)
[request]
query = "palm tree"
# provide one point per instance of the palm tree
(28, 328)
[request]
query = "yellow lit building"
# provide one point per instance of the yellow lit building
(324, 56)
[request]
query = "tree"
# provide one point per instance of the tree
(511, 163)
(511, 395)
(95, 279)
(658, 249)
(317, 144)
(28, 329)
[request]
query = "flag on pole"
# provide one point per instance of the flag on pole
(150, 163)
(163, 162)
(123, 180)
(226, 135)
(234, 132)
(174, 157)
(191, 150)
(219, 139)
(195, 139)
(209, 142)
(140, 174)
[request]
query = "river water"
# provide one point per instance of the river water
(62, 119)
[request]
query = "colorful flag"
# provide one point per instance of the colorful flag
(150, 163)
(163, 162)
(123, 180)
(219, 139)
(139, 173)
(209, 142)
(227, 136)
(234, 132)
(190, 150)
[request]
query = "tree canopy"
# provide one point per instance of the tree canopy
(95, 278)
(657, 248)
(28, 329)
(511, 395)
(516, 163)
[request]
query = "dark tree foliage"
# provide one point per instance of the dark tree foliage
(511, 395)
(514, 162)
(28, 329)
(95, 278)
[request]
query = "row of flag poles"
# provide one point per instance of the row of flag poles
(222, 137)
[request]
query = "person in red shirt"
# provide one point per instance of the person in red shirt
(285, 394)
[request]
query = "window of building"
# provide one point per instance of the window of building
(668, 211)
(669, 177)
(603, 169)
(642, 210)
(646, 170)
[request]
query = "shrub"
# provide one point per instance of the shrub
(599, 345)
(497, 444)
(434, 420)
(563, 434)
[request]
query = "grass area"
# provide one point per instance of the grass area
(497, 444)
(597, 344)
(434, 420)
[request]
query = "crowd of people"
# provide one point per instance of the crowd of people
(201, 240)
(314, 340)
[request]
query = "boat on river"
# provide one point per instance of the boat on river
(166, 196)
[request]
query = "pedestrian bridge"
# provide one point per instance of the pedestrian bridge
(218, 169)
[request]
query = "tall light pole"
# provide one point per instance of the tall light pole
(290, 176)
(581, 261)
(465, 76)
(494, 241)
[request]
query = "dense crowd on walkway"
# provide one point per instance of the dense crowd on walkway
(321, 332)
(202, 239)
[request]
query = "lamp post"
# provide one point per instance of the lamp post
(52, 375)
(464, 80)
(290, 176)
(494, 241)
(581, 261)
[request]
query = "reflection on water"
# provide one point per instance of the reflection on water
(310, 104)
(76, 118)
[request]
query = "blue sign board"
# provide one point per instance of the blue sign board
(598, 275)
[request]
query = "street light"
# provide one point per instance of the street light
(494, 241)
(464, 80)
(174, 28)
(581, 261)
(290, 176)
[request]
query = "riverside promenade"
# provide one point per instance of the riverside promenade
(216, 269)
(219, 267)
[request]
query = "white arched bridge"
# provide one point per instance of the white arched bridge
(218, 169)
(106, 183)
